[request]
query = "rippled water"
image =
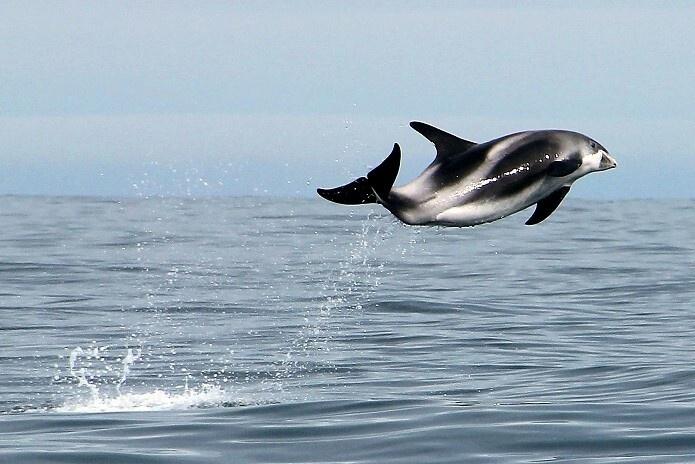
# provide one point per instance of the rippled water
(265, 330)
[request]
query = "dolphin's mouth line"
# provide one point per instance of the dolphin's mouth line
(607, 162)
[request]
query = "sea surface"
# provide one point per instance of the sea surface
(261, 330)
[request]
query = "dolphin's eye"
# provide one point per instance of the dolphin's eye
(593, 145)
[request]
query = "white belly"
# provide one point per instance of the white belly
(478, 213)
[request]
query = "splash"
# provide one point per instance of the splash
(92, 369)
(96, 372)
(80, 374)
(129, 359)
(93, 366)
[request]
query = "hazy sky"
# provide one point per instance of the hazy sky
(218, 98)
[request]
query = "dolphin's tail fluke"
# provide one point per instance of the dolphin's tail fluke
(374, 188)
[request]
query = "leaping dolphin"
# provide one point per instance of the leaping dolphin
(472, 183)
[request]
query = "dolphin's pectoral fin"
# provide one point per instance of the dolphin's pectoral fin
(446, 144)
(563, 168)
(547, 205)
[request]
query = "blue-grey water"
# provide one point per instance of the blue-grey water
(273, 331)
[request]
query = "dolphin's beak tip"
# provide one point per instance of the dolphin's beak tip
(608, 162)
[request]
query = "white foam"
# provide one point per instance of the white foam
(157, 400)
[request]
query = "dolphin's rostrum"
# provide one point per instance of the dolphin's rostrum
(470, 183)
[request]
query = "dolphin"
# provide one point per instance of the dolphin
(472, 183)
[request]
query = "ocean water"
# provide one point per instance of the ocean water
(270, 331)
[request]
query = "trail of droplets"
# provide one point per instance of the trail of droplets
(344, 291)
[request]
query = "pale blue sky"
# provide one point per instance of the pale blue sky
(219, 98)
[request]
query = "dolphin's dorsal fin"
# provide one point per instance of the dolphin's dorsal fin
(547, 205)
(446, 144)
